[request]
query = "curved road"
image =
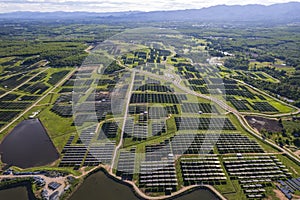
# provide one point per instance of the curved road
(226, 107)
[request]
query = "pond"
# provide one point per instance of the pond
(198, 194)
(100, 186)
(28, 145)
(19, 191)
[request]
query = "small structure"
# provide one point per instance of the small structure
(54, 196)
(44, 194)
(34, 114)
(67, 187)
(54, 185)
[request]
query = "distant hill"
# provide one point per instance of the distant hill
(285, 12)
(62, 15)
(282, 12)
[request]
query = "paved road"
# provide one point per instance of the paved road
(128, 95)
(142, 194)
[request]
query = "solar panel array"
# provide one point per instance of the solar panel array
(154, 87)
(190, 144)
(92, 114)
(137, 109)
(192, 123)
(29, 98)
(13, 105)
(14, 80)
(243, 93)
(157, 98)
(240, 105)
(98, 154)
(62, 110)
(154, 112)
(236, 143)
(201, 89)
(264, 107)
(129, 123)
(34, 88)
(73, 156)
(254, 172)
(108, 130)
(126, 164)
(202, 170)
(136, 130)
(226, 143)
(6, 116)
(157, 112)
(86, 135)
(158, 175)
(158, 128)
(196, 107)
(289, 187)
(85, 152)
(140, 132)
(158, 152)
(99, 96)
(9, 97)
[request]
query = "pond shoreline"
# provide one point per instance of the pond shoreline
(140, 195)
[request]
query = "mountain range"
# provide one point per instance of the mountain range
(284, 12)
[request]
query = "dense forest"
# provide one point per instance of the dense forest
(62, 45)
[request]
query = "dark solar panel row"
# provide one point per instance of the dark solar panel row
(158, 152)
(160, 175)
(14, 105)
(202, 170)
(6, 116)
(99, 154)
(108, 130)
(158, 128)
(157, 98)
(126, 164)
(154, 87)
(225, 143)
(255, 172)
(189, 123)
(198, 107)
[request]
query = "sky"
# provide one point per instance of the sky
(119, 5)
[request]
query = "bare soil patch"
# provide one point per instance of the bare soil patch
(260, 123)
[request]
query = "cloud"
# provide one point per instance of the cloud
(118, 5)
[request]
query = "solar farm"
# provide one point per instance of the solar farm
(22, 87)
(145, 121)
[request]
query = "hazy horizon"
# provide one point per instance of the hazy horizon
(7, 6)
